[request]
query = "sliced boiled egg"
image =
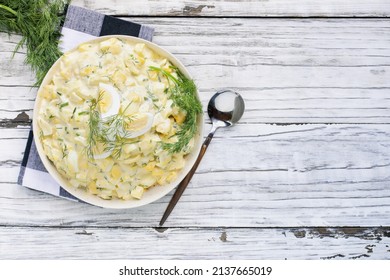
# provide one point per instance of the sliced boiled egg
(140, 124)
(110, 100)
(100, 153)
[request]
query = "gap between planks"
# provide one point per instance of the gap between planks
(211, 242)
(281, 17)
(348, 230)
(243, 8)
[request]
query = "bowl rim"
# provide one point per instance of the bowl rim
(155, 192)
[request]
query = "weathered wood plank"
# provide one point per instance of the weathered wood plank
(251, 8)
(216, 243)
(313, 175)
(289, 71)
(297, 147)
(263, 105)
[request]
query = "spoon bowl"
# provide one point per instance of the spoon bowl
(225, 108)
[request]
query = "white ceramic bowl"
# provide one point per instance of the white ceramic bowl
(153, 193)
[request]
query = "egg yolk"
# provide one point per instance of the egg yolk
(136, 122)
(105, 102)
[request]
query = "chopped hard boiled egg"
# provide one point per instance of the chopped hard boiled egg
(103, 116)
(137, 192)
(73, 161)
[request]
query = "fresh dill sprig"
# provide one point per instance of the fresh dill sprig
(183, 93)
(115, 125)
(94, 125)
(109, 132)
(38, 22)
(116, 147)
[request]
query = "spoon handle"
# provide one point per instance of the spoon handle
(184, 183)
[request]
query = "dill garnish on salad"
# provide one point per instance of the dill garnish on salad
(183, 93)
(117, 118)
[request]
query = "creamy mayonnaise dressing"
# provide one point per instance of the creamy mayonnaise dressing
(115, 72)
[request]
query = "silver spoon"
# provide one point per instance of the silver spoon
(225, 108)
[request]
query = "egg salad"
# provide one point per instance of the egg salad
(111, 122)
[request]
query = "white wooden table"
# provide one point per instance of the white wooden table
(306, 173)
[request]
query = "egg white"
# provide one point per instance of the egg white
(142, 131)
(115, 100)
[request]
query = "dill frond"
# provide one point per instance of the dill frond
(109, 132)
(38, 22)
(183, 93)
(94, 127)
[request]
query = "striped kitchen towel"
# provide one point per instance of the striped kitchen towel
(80, 25)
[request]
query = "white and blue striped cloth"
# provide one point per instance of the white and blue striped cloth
(80, 25)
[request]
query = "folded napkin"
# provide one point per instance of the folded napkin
(80, 25)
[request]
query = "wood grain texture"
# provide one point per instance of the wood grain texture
(263, 191)
(216, 243)
(288, 71)
(296, 175)
(241, 8)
